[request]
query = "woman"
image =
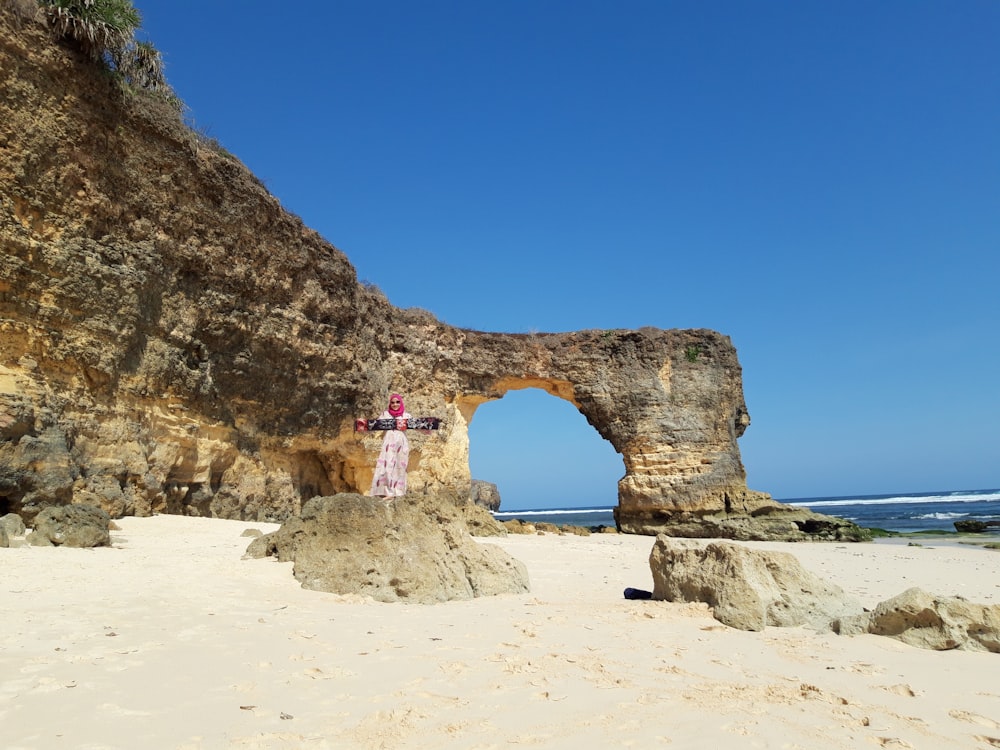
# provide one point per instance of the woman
(390, 469)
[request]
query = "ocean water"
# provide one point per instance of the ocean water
(904, 512)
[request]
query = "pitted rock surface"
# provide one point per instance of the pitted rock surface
(414, 550)
(71, 526)
(747, 589)
(924, 620)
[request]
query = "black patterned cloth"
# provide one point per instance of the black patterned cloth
(413, 423)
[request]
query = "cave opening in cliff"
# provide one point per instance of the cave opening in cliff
(541, 452)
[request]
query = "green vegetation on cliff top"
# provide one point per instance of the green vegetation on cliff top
(103, 30)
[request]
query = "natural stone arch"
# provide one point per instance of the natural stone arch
(551, 392)
(669, 402)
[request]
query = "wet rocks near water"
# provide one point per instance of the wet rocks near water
(518, 526)
(416, 549)
(976, 526)
(767, 523)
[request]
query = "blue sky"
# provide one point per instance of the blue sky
(819, 181)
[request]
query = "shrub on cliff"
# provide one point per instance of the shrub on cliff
(104, 30)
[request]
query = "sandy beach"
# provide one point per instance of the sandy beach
(170, 639)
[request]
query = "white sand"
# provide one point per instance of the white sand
(171, 640)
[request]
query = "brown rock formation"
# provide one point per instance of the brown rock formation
(752, 589)
(418, 551)
(485, 494)
(12, 525)
(940, 623)
(71, 526)
(746, 588)
(172, 340)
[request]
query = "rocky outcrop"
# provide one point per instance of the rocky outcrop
(940, 623)
(747, 589)
(480, 521)
(752, 589)
(414, 551)
(485, 494)
(71, 526)
(975, 526)
(172, 340)
(766, 522)
(13, 524)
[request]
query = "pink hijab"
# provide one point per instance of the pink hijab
(398, 411)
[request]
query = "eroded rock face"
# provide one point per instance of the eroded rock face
(940, 623)
(172, 340)
(12, 524)
(71, 526)
(752, 589)
(418, 551)
(485, 494)
(746, 588)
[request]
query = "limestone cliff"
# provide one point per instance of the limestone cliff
(173, 340)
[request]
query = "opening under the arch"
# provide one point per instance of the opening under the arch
(541, 452)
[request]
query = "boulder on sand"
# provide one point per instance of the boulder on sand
(13, 524)
(939, 623)
(747, 589)
(71, 526)
(416, 549)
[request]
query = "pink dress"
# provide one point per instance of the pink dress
(390, 469)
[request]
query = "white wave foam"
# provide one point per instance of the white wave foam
(901, 500)
(553, 512)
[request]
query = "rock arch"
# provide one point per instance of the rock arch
(546, 415)
(670, 402)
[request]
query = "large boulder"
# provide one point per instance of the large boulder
(747, 589)
(37, 471)
(13, 524)
(485, 494)
(415, 549)
(975, 526)
(71, 526)
(924, 620)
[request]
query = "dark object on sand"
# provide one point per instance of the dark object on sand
(631, 593)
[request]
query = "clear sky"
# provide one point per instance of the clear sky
(818, 180)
